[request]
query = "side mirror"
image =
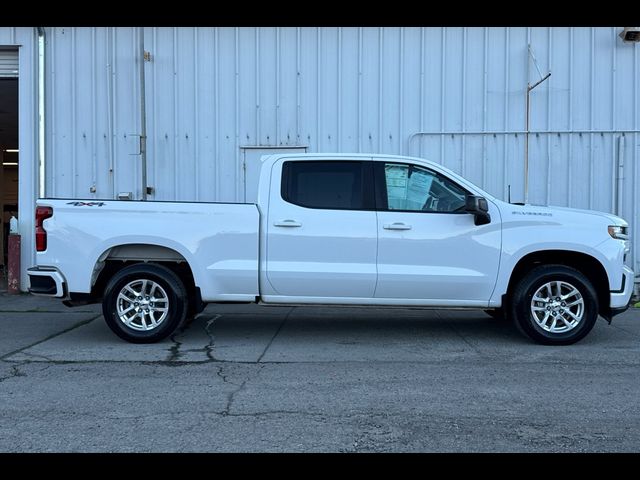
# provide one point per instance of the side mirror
(479, 207)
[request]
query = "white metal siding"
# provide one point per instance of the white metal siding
(8, 63)
(211, 91)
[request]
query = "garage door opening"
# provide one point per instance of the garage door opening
(9, 153)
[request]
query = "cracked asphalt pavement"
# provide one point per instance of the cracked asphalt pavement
(245, 378)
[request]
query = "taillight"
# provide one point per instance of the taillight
(42, 213)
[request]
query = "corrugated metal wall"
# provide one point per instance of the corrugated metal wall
(210, 91)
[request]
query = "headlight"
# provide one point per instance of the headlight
(619, 232)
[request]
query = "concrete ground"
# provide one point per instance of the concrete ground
(251, 378)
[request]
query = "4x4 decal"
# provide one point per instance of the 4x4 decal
(86, 204)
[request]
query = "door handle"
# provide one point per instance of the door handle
(397, 226)
(287, 223)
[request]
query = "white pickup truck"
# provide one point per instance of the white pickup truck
(339, 229)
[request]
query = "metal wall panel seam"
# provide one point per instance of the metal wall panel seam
(614, 205)
(196, 117)
(636, 182)
(380, 86)
(422, 99)
(74, 129)
(217, 132)
(52, 152)
(505, 164)
(237, 101)
(156, 140)
(110, 111)
(339, 90)
(485, 87)
(549, 63)
(298, 106)
(463, 111)
(591, 116)
(443, 88)
(318, 90)
(277, 140)
(401, 94)
(360, 129)
(176, 184)
(570, 97)
(94, 113)
(258, 140)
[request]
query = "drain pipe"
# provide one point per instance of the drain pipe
(143, 119)
(41, 119)
(620, 176)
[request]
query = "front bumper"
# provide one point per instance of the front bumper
(620, 299)
(46, 281)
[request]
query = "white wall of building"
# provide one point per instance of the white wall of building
(428, 92)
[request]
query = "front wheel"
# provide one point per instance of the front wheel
(554, 305)
(144, 303)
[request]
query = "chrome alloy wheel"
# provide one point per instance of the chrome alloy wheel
(142, 305)
(557, 307)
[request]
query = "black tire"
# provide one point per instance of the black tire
(521, 304)
(171, 287)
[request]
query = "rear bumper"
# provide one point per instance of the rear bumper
(46, 281)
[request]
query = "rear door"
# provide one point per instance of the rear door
(321, 229)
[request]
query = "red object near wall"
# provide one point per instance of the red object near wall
(14, 264)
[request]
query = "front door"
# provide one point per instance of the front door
(321, 230)
(429, 248)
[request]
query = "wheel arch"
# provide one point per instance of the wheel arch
(117, 257)
(586, 264)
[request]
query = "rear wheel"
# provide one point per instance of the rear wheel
(554, 305)
(145, 303)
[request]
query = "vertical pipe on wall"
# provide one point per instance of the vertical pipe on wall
(401, 94)
(41, 113)
(591, 115)
(110, 111)
(463, 113)
(298, 74)
(570, 127)
(380, 86)
(176, 135)
(94, 120)
(318, 90)
(620, 175)
(51, 158)
(443, 89)
(257, 86)
(484, 105)
(527, 119)
(217, 136)
(277, 140)
(613, 82)
(550, 63)
(196, 114)
(505, 117)
(237, 101)
(635, 219)
(360, 90)
(154, 96)
(422, 109)
(339, 88)
(74, 129)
